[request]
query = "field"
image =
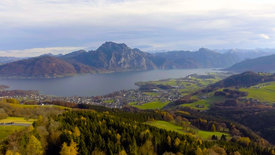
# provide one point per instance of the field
(172, 127)
(167, 126)
(18, 120)
(264, 92)
(37, 106)
(203, 104)
(150, 105)
(5, 131)
(109, 101)
(209, 134)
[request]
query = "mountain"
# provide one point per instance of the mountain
(42, 67)
(119, 57)
(4, 60)
(113, 57)
(245, 79)
(244, 54)
(203, 58)
(261, 64)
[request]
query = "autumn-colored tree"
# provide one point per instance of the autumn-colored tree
(69, 150)
(34, 146)
(199, 151)
(3, 114)
(76, 131)
(98, 152)
(213, 128)
(147, 148)
(9, 152)
(169, 140)
(118, 137)
(177, 142)
(122, 152)
(13, 101)
(244, 140)
(217, 150)
(30, 128)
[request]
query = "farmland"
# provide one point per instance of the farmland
(199, 133)
(150, 105)
(263, 92)
(18, 123)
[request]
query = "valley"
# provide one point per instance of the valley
(137, 77)
(203, 107)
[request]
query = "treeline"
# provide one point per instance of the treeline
(11, 107)
(90, 132)
(260, 120)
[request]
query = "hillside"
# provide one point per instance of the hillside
(119, 57)
(42, 67)
(100, 130)
(261, 64)
(203, 58)
(113, 57)
(245, 79)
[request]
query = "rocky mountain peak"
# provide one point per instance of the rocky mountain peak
(112, 46)
(206, 50)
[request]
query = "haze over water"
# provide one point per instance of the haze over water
(99, 84)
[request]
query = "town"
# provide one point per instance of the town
(163, 91)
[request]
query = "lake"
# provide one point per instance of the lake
(96, 84)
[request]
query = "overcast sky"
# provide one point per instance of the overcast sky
(33, 27)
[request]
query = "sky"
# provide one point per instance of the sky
(35, 27)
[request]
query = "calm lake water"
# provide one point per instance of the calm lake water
(100, 84)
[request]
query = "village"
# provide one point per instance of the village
(168, 90)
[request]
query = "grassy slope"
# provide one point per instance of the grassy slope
(5, 131)
(37, 106)
(150, 105)
(172, 127)
(203, 104)
(264, 92)
(19, 120)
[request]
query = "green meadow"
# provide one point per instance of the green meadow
(203, 104)
(19, 120)
(172, 127)
(6, 130)
(150, 105)
(264, 92)
(167, 126)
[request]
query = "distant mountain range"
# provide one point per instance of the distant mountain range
(114, 57)
(4, 60)
(244, 54)
(261, 64)
(42, 67)
(203, 58)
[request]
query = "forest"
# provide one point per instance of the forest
(99, 130)
(216, 119)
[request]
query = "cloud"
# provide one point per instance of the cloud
(264, 36)
(173, 24)
(38, 51)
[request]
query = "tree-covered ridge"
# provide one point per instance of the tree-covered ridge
(176, 129)
(99, 130)
(113, 135)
